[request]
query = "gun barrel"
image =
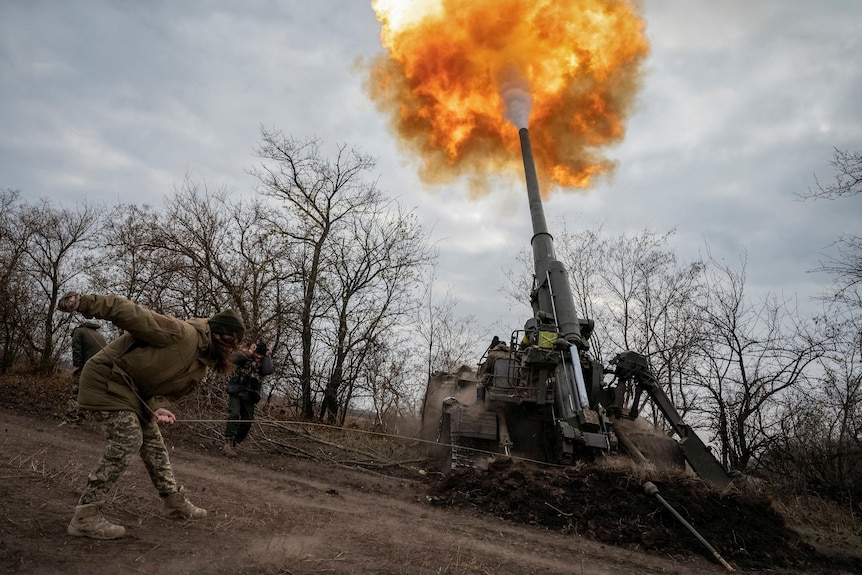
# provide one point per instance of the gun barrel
(553, 295)
(542, 242)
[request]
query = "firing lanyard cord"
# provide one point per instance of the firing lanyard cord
(323, 425)
(366, 432)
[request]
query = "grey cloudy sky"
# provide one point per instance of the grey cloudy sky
(743, 103)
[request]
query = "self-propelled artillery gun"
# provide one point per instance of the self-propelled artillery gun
(542, 395)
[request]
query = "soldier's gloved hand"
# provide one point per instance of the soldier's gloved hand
(69, 302)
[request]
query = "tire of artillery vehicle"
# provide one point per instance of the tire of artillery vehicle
(542, 396)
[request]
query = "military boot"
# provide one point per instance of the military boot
(176, 506)
(229, 449)
(89, 522)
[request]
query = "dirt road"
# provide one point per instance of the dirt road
(271, 514)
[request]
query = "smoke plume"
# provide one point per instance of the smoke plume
(515, 92)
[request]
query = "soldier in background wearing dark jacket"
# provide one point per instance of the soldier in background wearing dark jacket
(243, 389)
(130, 385)
(86, 342)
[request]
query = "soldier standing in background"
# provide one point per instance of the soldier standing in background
(86, 342)
(243, 388)
(497, 350)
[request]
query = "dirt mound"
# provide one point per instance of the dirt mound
(610, 506)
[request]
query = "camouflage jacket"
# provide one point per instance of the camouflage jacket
(157, 360)
(86, 342)
(248, 375)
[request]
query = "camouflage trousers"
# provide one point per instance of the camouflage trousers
(74, 415)
(127, 436)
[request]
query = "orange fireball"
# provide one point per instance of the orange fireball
(458, 74)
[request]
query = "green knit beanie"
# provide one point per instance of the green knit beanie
(227, 322)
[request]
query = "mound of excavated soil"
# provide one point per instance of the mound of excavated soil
(610, 506)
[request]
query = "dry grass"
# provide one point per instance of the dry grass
(821, 523)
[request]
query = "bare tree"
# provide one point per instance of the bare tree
(449, 339)
(373, 267)
(845, 267)
(217, 253)
(819, 449)
(386, 381)
(848, 177)
(16, 297)
(319, 196)
(131, 261)
(196, 231)
(845, 264)
(754, 354)
(54, 261)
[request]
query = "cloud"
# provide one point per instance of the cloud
(741, 106)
